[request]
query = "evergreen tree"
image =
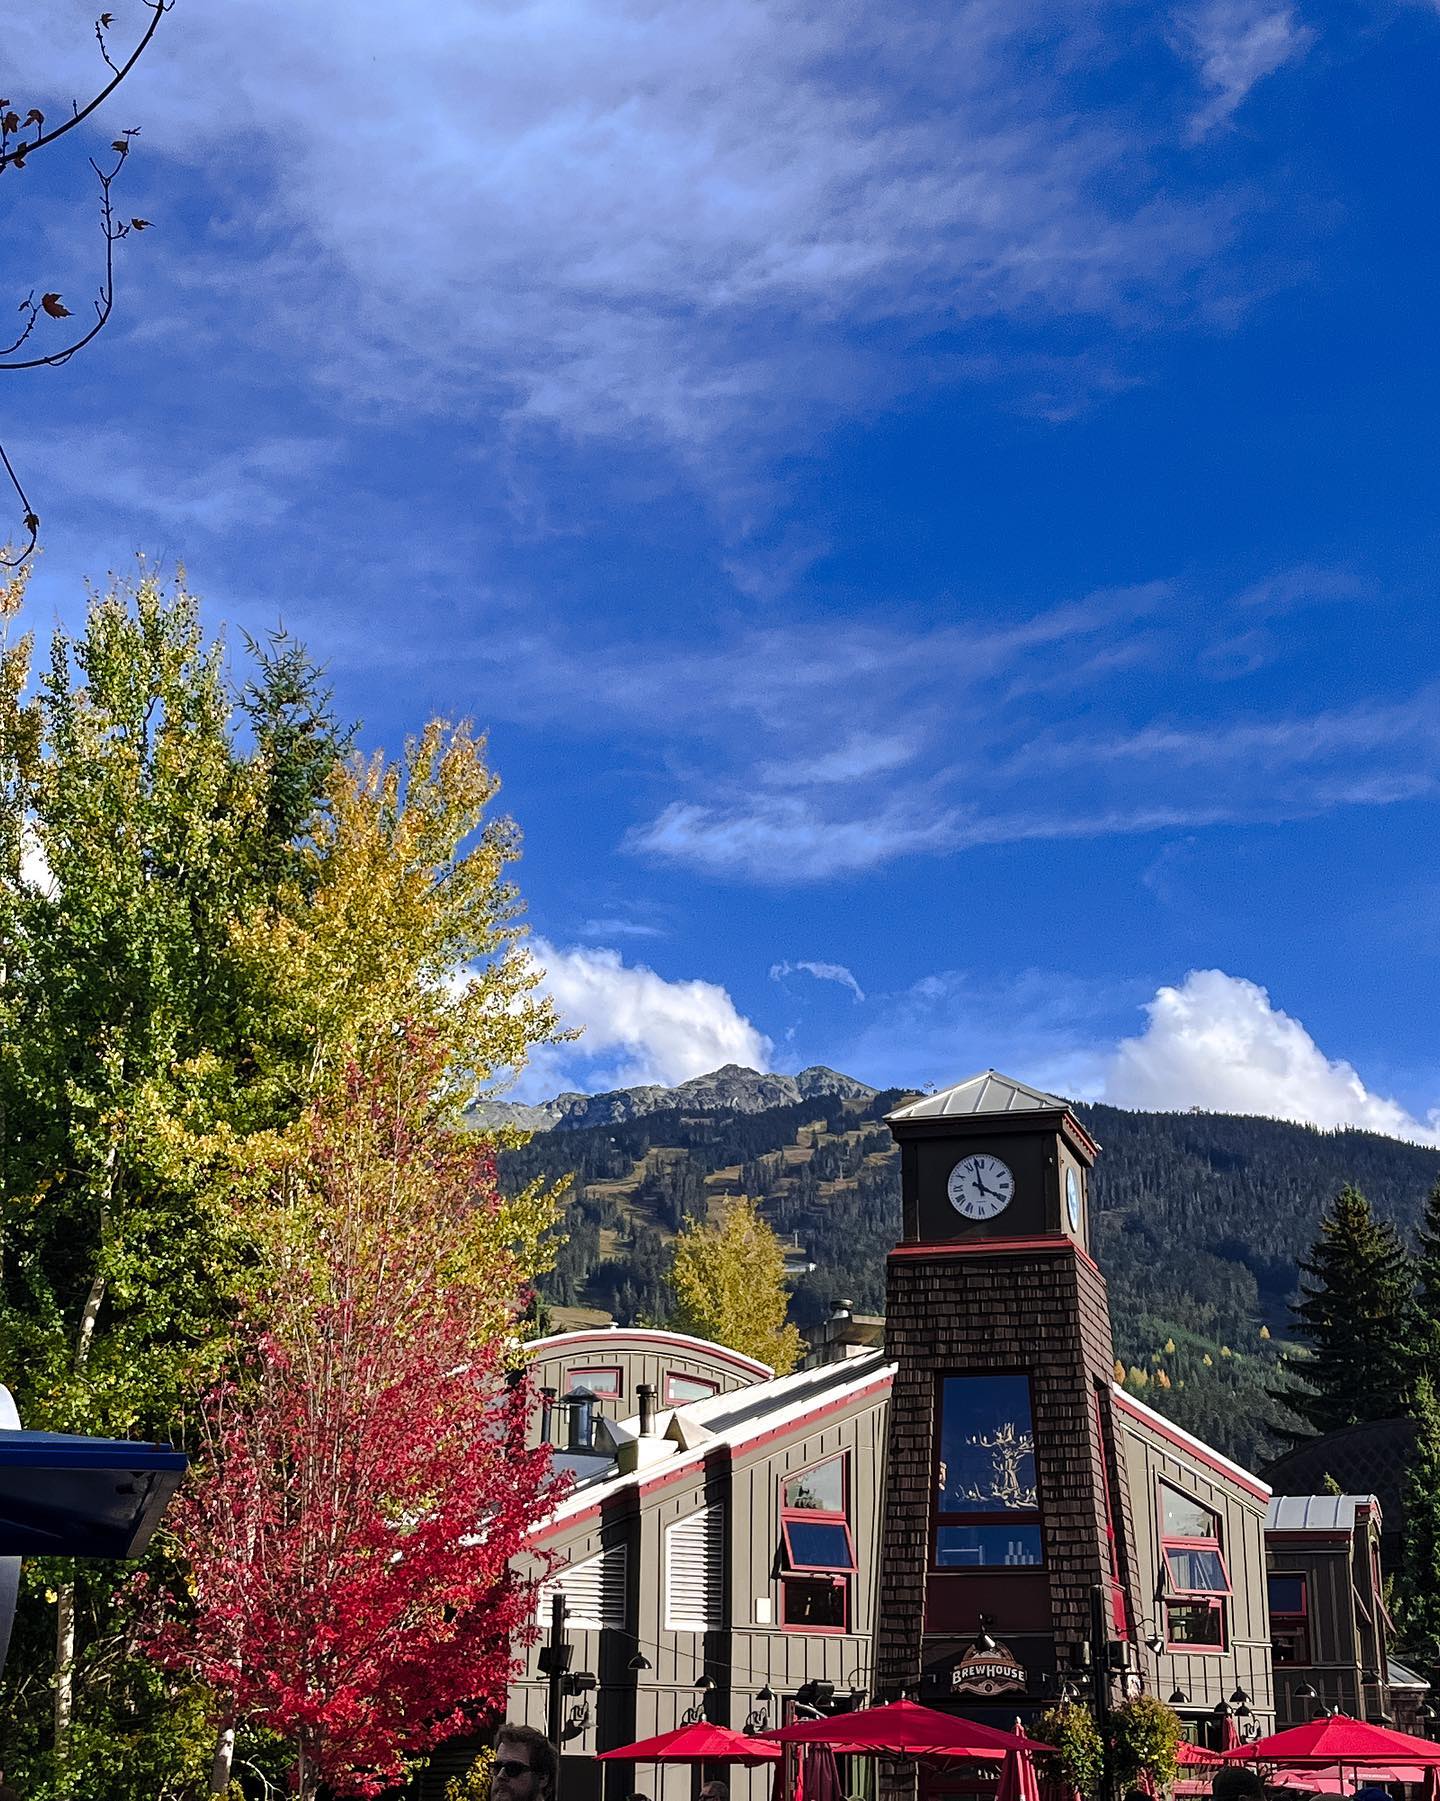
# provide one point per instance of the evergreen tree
(1427, 1287)
(729, 1282)
(1420, 1614)
(1356, 1314)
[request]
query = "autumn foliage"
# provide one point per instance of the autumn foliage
(365, 1482)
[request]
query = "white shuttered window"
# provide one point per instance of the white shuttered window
(594, 1591)
(695, 1572)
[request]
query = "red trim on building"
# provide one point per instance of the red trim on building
(1191, 1447)
(556, 1343)
(796, 1428)
(1052, 1244)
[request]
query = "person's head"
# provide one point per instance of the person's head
(1237, 1782)
(1137, 1794)
(524, 1766)
(714, 1791)
(1373, 1791)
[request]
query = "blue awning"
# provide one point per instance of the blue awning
(63, 1496)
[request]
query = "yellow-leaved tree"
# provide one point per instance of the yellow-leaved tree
(729, 1282)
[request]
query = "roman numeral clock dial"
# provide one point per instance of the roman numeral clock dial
(980, 1186)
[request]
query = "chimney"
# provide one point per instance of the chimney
(645, 1395)
(581, 1404)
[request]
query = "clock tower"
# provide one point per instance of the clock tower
(1006, 1521)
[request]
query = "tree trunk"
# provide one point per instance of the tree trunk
(65, 1599)
(224, 1760)
(64, 1663)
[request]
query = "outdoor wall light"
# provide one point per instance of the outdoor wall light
(1239, 1698)
(984, 1641)
(1155, 1643)
(766, 1695)
(1221, 1710)
(639, 1662)
(1306, 1692)
(1179, 1698)
(705, 1684)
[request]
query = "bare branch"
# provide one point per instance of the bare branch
(31, 519)
(105, 301)
(17, 153)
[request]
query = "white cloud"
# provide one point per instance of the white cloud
(1235, 44)
(822, 972)
(1217, 1041)
(638, 1027)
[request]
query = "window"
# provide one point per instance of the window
(987, 1505)
(819, 1553)
(814, 1603)
(1194, 1579)
(695, 1572)
(605, 1381)
(594, 1591)
(1289, 1620)
(680, 1390)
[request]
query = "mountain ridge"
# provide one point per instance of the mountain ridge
(732, 1088)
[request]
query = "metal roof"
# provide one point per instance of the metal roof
(989, 1092)
(1316, 1513)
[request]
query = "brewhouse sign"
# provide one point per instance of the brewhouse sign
(997, 1672)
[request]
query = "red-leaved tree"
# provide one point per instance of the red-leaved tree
(364, 1487)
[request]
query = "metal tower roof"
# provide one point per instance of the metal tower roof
(989, 1092)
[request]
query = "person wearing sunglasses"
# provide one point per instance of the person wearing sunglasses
(524, 1766)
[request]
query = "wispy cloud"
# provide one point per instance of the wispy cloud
(1234, 44)
(822, 972)
(611, 218)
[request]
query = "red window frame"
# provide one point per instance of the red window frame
(816, 1516)
(1290, 1622)
(842, 1583)
(1171, 1595)
(669, 1396)
(582, 1375)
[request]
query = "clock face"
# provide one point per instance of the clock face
(1072, 1198)
(980, 1186)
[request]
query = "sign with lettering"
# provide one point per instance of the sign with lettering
(997, 1672)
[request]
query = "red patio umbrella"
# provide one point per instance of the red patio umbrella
(700, 1743)
(1336, 1739)
(1018, 1781)
(1190, 1756)
(905, 1729)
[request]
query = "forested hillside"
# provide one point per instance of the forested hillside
(1199, 1221)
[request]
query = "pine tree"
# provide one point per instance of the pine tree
(1356, 1314)
(729, 1282)
(1420, 1621)
(1427, 1287)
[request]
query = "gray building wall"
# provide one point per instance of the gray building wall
(746, 1652)
(1154, 1453)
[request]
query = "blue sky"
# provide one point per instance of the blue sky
(934, 504)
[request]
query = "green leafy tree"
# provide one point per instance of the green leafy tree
(1078, 1762)
(729, 1284)
(1420, 1603)
(1355, 1315)
(206, 917)
(1145, 1736)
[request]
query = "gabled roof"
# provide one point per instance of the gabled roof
(1317, 1513)
(989, 1092)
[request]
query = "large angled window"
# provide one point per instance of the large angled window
(818, 1550)
(987, 1502)
(1195, 1583)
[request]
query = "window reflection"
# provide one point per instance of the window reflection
(987, 1511)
